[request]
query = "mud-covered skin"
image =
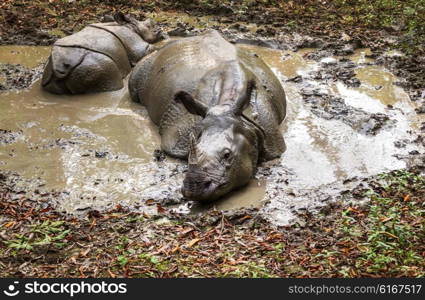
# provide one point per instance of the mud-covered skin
(201, 85)
(97, 58)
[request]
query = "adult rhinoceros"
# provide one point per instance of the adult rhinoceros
(196, 90)
(97, 58)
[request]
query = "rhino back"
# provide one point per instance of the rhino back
(180, 65)
(100, 41)
(134, 44)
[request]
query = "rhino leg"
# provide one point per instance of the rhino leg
(50, 83)
(60, 64)
(174, 143)
(175, 128)
(96, 73)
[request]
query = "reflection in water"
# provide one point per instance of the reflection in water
(99, 147)
(346, 151)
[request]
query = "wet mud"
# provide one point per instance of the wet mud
(21, 66)
(338, 134)
(348, 119)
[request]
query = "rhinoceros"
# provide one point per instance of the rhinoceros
(97, 58)
(216, 105)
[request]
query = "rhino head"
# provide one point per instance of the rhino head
(224, 148)
(147, 29)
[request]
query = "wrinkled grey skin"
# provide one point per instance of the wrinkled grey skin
(97, 58)
(216, 105)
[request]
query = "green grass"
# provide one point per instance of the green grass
(392, 228)
(42, 234)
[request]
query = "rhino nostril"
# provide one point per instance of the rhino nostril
(66, 65)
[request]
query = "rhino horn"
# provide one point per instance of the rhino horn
(192, 158)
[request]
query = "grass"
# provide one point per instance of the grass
(389, 232)
(41, 234)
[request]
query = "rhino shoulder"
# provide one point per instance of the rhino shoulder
(139, 77)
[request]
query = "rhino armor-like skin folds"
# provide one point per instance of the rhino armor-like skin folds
(95, 59)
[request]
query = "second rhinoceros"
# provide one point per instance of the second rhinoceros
(215, 104)
(97, 58)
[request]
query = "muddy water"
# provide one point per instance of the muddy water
(99, 148)
(28, 56)
(94, 147)
(250, 196)
(285, 64)
(323, 154)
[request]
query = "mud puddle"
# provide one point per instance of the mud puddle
(28, 56)
(100, 149)
(327, 157)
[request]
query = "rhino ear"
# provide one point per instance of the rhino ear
(193, 106)
(121, 18)
(243, 101)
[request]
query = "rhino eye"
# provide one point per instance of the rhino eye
(226, 154)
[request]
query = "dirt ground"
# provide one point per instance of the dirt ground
(381, 237)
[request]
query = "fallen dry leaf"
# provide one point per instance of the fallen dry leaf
(193, 242)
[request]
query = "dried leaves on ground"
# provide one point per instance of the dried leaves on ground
(384, 237)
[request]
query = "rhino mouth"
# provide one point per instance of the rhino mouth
(206, 190)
